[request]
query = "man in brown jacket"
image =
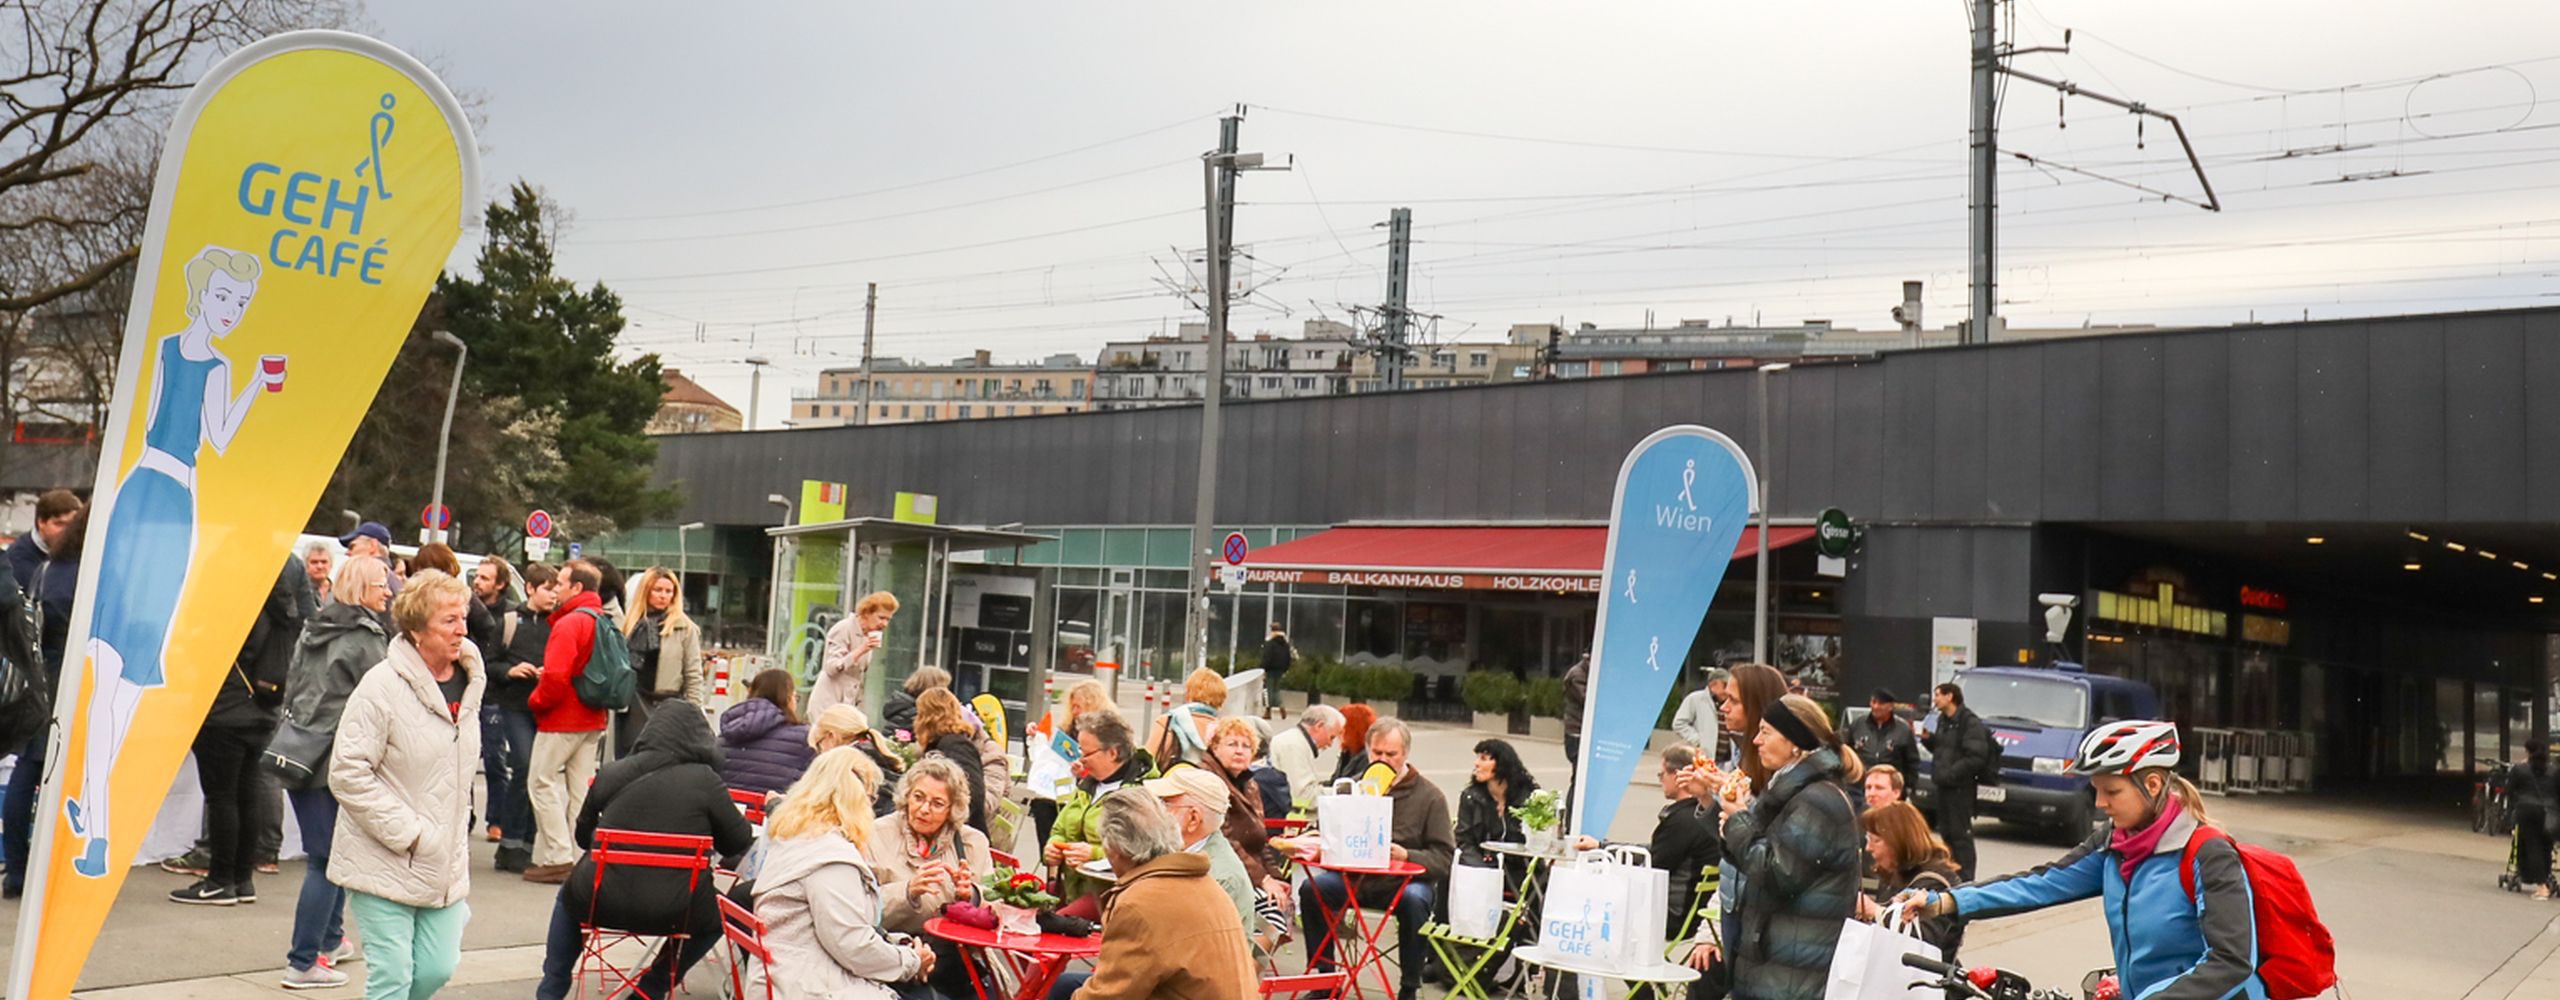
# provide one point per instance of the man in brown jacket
(1168, 932)
(1421, 832)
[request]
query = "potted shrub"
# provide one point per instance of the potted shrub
(1385, 688)
(1538, 814)
(1546, 708)
(1342, 681)
(1491, 695)
(1298, 685)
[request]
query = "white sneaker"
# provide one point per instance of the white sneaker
(346, 952)
(318, 977)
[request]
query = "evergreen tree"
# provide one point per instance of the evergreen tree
(546, 418)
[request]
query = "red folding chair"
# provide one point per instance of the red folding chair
(750, 803)
(1284, 986)
(688, 853)
(745, 935)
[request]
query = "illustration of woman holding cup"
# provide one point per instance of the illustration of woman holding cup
(150, 534)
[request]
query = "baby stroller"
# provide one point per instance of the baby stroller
(2510, 880)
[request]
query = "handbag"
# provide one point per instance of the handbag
(299, 755)
(1867, 965)
(1356, 829)
(1475, 900)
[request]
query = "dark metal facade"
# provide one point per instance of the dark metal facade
(2428, 419)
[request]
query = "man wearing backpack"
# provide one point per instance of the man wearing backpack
(2191, 913)
(568, 730)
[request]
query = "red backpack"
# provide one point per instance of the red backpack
(2296, 958)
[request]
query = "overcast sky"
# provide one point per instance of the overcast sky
(1024, 177)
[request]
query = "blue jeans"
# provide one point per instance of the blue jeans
(1068, 984)
(560, 948)
(320, 915)
(18, 810)
(1412, 909)
(506, 756)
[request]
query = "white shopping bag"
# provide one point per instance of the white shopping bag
(1475, 900)
(1356, 828)
(1868, 964)
(1591, 913)
(1646, 930)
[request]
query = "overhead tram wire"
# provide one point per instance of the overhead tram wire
(910, 185)
(904, 255)
(908, 213)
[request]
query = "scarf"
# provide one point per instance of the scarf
(2133, 847)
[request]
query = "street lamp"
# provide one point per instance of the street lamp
(683, 558)
(773, 581)
(444, 441)
(1760, 559)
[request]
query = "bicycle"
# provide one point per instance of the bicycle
(1986, 983)
(2489, 799)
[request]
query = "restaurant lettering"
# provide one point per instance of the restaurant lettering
(1521, 583)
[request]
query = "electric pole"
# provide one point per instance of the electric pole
(1218, 179)
(1218, 171)
(755, 388)
(1983, 222)
(870, 309)
(1990, 63)
(1398, 326)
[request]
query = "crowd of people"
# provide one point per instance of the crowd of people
(370, 692)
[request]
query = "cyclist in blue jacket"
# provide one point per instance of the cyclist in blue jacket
(2167, 946)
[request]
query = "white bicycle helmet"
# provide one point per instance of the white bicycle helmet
(2126, 747)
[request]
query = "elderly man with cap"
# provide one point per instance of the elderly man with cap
(1881, 739)
(371, 539)
(1198, 802)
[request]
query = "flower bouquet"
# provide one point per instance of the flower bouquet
(1017, 898)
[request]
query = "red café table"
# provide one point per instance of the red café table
(1034, 961)
(1372, 956)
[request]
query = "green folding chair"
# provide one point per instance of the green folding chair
(1453, 947)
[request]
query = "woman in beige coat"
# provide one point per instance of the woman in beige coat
(820, 897)
(401, 770)
(927, 857)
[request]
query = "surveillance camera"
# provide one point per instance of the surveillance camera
(2058, 600)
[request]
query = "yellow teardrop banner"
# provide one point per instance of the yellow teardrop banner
(312, 186)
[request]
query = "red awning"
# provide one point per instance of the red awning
(1461, 558)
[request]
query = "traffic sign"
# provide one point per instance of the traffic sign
(1236, 548)
(573, 550)
(1232, 578)
(537, 524)
(436, 517)
(537, 548)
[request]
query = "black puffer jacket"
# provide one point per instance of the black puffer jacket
(964, 751)
(254, 687)
(1798, 855)
(669, 784)
(1962, 752)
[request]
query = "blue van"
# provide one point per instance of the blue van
(2039, 716)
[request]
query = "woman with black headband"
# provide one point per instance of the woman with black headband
(1792, 857)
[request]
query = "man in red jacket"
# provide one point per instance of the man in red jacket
(568, 733)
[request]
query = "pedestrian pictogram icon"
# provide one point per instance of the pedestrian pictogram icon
(1236, 548)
